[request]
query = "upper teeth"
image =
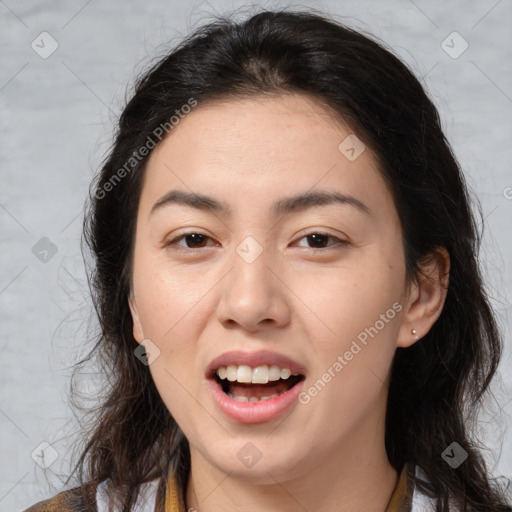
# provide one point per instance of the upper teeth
(259, 375)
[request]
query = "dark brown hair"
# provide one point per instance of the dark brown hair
(437, 385)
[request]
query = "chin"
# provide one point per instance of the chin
(258, 461)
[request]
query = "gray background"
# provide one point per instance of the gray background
(56, 124)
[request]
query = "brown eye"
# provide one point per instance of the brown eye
(192, 241)
(319, 240)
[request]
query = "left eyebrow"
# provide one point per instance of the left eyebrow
(307, 200)
(283, 206)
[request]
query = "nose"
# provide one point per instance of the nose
(253, 296)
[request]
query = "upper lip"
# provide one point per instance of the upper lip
(253, 359)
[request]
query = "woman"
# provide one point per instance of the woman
(286, 277)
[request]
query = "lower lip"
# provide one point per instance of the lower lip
(255, 412)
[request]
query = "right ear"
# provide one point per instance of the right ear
(137, 326)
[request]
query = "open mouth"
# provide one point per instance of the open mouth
(246, 384)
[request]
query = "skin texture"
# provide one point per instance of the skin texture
(296, 299)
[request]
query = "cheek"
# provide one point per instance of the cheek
(167, 317)
(353, 319)
(166, 296)
(341, 303)
(353, 346)
(166, 314)
(167, 301)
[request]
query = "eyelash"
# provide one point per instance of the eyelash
(321, 233)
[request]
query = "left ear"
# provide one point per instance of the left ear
(426, 297)
(137, 325)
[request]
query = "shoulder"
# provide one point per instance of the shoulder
(424, 503)
(148, 494)
(78, 499)
(93, 497)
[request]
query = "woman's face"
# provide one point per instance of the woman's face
(235, 271)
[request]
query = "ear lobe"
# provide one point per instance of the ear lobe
(137, 326)
(426, 300)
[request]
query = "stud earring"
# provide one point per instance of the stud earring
(415, 335)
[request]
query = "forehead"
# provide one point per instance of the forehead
(260, 148)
